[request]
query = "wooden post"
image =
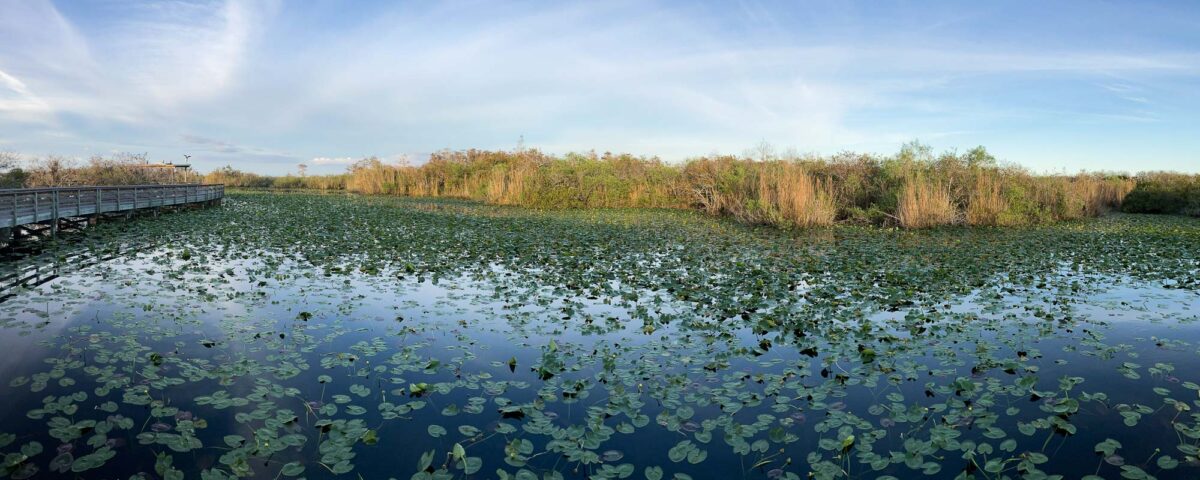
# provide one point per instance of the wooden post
(96, 212)
(54, 211)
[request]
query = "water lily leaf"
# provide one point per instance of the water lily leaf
(472, 465)
(292, 469)
(426, 460)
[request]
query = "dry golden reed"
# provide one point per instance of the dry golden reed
(923, 203)
(912, 189)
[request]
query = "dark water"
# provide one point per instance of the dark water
(361, 375)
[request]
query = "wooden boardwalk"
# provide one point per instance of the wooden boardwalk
(38, 209)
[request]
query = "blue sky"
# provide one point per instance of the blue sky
(265, 85)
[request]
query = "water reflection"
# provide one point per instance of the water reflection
(214, 361)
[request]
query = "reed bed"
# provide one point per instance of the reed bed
(911, 189)
(1165, 192)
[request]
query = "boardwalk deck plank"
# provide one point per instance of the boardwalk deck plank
(24, 206)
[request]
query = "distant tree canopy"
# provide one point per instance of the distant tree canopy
(117, 169)
(11, 174)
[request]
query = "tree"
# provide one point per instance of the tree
(11, 175)
(53, 171)
(8, 160)
(764, 151)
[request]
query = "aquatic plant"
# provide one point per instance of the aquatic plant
(289, 335)
(912, 189)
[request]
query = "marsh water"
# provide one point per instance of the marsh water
(245, 358)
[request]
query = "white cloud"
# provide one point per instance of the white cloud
(255, 80)
(141, 67)
(211, 144)
(182, 52)
(333, 160)
(17, 102)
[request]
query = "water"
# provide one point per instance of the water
(256, 364)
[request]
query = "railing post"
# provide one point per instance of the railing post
(59, 207)
(54, 212)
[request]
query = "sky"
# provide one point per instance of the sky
(266, 85)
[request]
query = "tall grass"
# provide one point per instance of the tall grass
(913, 188)
(237, 178)
(1165, 192)
(922, 203)
(771, 192)
(986, 204)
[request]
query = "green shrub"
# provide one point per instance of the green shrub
(1164, 192)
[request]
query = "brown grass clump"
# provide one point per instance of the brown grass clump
(913, 189)
(922, 204)
(790, 196)
(986, 204)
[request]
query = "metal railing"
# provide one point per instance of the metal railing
(22, 206)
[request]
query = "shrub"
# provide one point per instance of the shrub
(913, 188)
(922, 203)
(119, 169)
(1165, 192)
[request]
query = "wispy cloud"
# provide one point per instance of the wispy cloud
(213, 150)
(333, 160)
(141, 66)
(17, 102)
(259, 82)
(210, 144)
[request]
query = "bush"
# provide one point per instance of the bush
(1165, 192)
(118, 169)
(913, 188)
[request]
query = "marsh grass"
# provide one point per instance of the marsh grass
(912, 189)
(790, 195)
(923, 203)
(773, 192)
(1165, 192)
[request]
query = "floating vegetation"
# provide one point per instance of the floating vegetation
(305, 336)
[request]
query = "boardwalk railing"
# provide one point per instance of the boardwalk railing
(24, 206)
